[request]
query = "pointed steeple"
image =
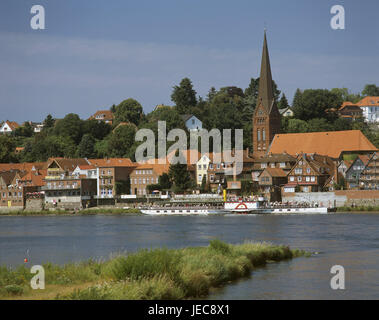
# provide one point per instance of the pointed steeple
(265, 94)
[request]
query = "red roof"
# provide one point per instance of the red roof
(331, 143)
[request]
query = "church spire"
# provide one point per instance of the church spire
(265, 94)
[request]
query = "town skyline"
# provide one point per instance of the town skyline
(87, 65)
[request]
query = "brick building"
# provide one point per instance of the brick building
(311, 173)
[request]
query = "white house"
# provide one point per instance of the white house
(192, 123)
(370, 108)
(9, 126)
(202, 168)
(286, 112)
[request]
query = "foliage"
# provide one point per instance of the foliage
(184, 96)
(152, 274)
(317, 103)
(179, 177)
(7, 147)
(129, 110)
(370, 90)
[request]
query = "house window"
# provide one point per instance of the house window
(272, 165)
(307, 179)
(282, 164)
(299, 179)
(147, 180)
(305, 189)
(259, 134)
(218, 166)
(204, 166)
(298, 170)
(292, 178)
(144, 181)
(200, 177)
(313, 178)
(263, 165)
(263, 134)
(212, 178)
(199, 166)
(156, 180)
(211, 166)
(308, 170)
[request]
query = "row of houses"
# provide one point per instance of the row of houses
(304, 162)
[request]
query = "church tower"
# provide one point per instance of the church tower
(266, 118)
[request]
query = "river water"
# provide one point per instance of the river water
(349, 240)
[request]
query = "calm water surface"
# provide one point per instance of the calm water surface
(342, 239)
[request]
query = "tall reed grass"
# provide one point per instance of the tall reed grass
(153, 274)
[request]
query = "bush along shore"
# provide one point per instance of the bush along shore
(91, 211)
(147, 274)
(372, 209)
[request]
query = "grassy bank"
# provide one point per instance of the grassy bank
(91, 211)
(148, 274)
(372, 209)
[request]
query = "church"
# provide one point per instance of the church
(266, 118)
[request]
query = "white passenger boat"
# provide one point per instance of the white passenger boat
(245, 207)
(260, 206)
(181, 211)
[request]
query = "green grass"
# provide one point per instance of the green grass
(150, 274)
(358, 209)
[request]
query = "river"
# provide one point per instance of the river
(349, 240)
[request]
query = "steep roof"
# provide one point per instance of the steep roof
(112, 162)
(265, 93)
(275, 172)
(105, 115)
(185, 117)
(331, 143)
(8, 176)
(159, 169)
(66, 163)
(369, 101)
(13, 125)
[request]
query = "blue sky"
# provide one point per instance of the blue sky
(95, 53)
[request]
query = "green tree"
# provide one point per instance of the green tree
(297, 126)
(204, 185)
(97, 129)
(7, 147)
(48, 122)
(283, 102)
(179, 176)
(211, 94)
(24, 131)
(70, 126)
(342, 124)
(86, 148)
(129, 110)
(370, 90)
(164, 181)
(184, 96)
(317, 103)
(319, 125)
(346, 95)
(296, 102)
(121, 141)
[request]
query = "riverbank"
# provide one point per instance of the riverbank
(358, 209)
(91, 211)
(147, 274)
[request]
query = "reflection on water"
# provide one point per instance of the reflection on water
(345, 239)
